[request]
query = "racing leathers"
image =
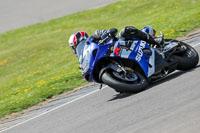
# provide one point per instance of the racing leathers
(130, 32)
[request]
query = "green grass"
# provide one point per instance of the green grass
(37, 63)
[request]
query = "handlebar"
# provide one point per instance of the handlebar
(101, 42)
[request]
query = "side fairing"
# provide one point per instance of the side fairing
(151, 68)
(147, 62)
(135, 53)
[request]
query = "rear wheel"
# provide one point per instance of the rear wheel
(187, 59)
(132, 82)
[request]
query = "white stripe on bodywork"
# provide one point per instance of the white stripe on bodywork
(151, 70)
(124, 53)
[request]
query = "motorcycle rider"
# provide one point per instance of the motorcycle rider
(127, 33)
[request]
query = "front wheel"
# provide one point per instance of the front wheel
(136, 82)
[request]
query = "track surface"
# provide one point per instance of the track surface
(19, 13)
(171, 105)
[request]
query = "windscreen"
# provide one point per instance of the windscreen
(80, 48)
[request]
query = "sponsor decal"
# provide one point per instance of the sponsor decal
(140, 52)
(117, 50)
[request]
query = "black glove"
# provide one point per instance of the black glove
(112, 32)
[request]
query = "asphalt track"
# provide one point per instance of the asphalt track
(19, 13)
(171, 105)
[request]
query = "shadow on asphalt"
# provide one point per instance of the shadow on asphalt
(155, 83)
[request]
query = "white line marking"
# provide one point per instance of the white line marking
(54, 109)
(62, 105)
(196, 44)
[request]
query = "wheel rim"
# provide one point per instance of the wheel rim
(189, 51)
(130, 76)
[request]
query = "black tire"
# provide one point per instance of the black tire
(122, 86)
(186, 61)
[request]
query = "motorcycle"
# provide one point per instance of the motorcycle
(130, 66)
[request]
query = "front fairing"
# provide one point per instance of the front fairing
(92, 52)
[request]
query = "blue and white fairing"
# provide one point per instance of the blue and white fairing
(146, 62)
(90, 53)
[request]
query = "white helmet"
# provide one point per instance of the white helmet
(76, 38)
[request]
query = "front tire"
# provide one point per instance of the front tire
(125, 86)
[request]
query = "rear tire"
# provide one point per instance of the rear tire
(187, 60)
(123, 86)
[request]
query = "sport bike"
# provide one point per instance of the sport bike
(131, 65)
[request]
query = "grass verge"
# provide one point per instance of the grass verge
(37, 63)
